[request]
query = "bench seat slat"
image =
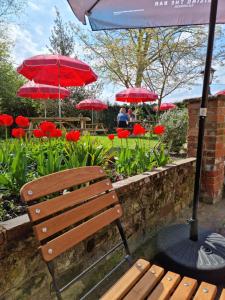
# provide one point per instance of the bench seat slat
(72, 237)
(59, 181)
(165, 287)
(206, 291)
(185, 289)
(222, 296)
(73, 216)
(59, 203)
(127, 281)
(146, 284)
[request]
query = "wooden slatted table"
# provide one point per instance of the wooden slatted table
(71, 122)
(143, 281)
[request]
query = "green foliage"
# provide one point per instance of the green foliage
(14, 169)
(25, 160)
(176, 123)
(135, 161)
(11, 81)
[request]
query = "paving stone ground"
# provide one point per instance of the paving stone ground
(210, 216)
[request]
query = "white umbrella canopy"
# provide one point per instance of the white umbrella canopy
(116, 14)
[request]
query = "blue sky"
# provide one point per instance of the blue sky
(33, 29)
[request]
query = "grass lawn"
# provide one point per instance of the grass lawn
(131, 141)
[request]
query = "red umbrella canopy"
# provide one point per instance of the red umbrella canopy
(42, 91)
(136, 95)
(57, 70)
(221, 93)
(91, 104)
(166, 106)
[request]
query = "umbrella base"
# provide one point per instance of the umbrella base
(203, 259)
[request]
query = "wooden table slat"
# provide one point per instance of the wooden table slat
(165, 287)
(127, 281)
(185, 289)
(146, 284)
(206, 291)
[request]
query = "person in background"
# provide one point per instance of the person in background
(122, 118)
(131, 115)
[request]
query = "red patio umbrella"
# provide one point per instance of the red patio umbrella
(221, 93)
(91, 104)
(57, 70)
(136, 95)
(165, 106)
(42, 91)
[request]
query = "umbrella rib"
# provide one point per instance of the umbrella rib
(93, 6)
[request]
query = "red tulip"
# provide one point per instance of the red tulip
(73, 136)
(159, 129)
(38, 133)
(124, 134)
(56, 133)
(111, 136)
(119, 129)
(22, 121)
(47, 127)
(18, 133)
(138, 129)
(6, 120)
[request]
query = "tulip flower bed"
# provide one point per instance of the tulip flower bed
(51, 150)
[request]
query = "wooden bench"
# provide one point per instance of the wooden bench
(151, 282)
(67, 207)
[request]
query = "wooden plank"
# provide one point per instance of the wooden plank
(59, 181)
(185, 289)
(222, 296)
(68, 218)
(72, 237)
(127, 281)
(166, 287)
(46, 208)
(206, 291)
(146, 284)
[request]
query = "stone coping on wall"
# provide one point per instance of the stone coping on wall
(20, 227)
(198, 99)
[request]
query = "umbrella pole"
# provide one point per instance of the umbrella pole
(45, 109)
(202, 118)
(60, 107)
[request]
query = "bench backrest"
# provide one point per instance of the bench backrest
(69, 206)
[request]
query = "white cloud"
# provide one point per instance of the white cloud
(39, 30)
(24, 44)
(34, 6)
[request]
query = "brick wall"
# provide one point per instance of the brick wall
(149, 201)
(214, 146)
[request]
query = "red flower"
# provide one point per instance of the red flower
(138, 129)
(119, 129)
(18, 133)
(159, 129)
(22, 121)
(73, 136)
(123, 134)
(56, 133)
(38, 133)
(47, 127)
(6, 120)
(111, 136)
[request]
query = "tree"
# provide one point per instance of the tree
(62, 42)
(11, 81)
(163, 59)
(61, 39)
(10, 8)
